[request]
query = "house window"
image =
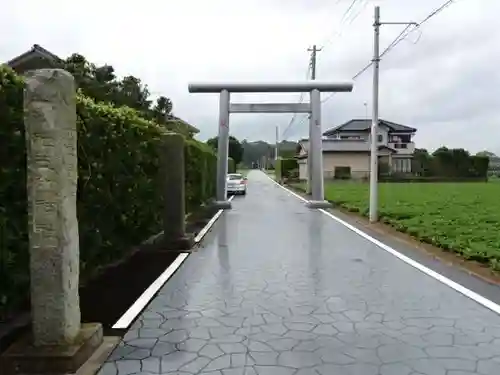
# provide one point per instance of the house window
(407, 165)
(400, 145)
(400, 138)
(380, 138)
(395, 165)
(401, 165)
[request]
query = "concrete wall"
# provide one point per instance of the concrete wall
(358, 162)
(303, 169)
(409, 150)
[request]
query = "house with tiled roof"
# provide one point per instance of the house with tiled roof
(347, 146)
(35, 58)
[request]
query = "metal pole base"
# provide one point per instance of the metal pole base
(318, 204)
(222, 205)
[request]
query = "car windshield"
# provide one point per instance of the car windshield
(234, 177)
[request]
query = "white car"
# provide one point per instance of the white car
(236, 184)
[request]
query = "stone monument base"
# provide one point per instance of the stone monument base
(318, 204)
(180, 244)
(222, 205)
(23, 358)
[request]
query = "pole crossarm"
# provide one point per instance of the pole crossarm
(269, 108)
(275, 87)
(398, 23)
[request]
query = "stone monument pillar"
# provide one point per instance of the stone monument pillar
(58, 343)
(174, 196)
(50, 120)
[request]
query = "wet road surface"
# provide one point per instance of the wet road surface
(278, 289)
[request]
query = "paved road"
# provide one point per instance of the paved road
(278, 289)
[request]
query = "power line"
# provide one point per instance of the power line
(436, 11)
(301, 99)
(343, 20)
(365, 3)
(395, 42)
(353, 2)
(402, 35)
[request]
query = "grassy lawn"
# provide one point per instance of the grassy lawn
(459, 217)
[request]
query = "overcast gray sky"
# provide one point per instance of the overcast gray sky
(444, 80)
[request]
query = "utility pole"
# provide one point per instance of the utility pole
(314, 50)
(373, 215)
(374, 128)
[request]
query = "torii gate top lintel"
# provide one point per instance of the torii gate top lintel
(304, 86)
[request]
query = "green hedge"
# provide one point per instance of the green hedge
(118, 187)
(201, 171)
(286, 168)
(431, 179)
(231, 166)
(342, 173)
(13, 210)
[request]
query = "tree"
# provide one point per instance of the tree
(253, 152)
(134, 94)
(287, 154)
(422, 162)
(163, 106)
(494, 161)
(235, 148)
(101, 84)
(487, 153)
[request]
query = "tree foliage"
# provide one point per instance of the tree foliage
(494, 165)
(101, 84)
(235, 148)
(450, 163)
(253, 152)
(286, 168)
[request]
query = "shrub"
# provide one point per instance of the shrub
(294, 174)
(201, 167)
(119, 191)
(383, 168)
(342, 173)
(430, 179)
(13, 195)
(231, 166)
(277, 170)
(284, 168)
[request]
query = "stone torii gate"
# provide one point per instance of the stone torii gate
(315, 134)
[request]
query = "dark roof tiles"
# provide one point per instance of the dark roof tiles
(365, 124)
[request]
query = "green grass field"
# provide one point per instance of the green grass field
(459, 217)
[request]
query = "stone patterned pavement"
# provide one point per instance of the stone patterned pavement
(278, 289)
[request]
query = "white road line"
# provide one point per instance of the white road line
(287, 190)
(141, 302)
(435, 275)
(207, 227)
